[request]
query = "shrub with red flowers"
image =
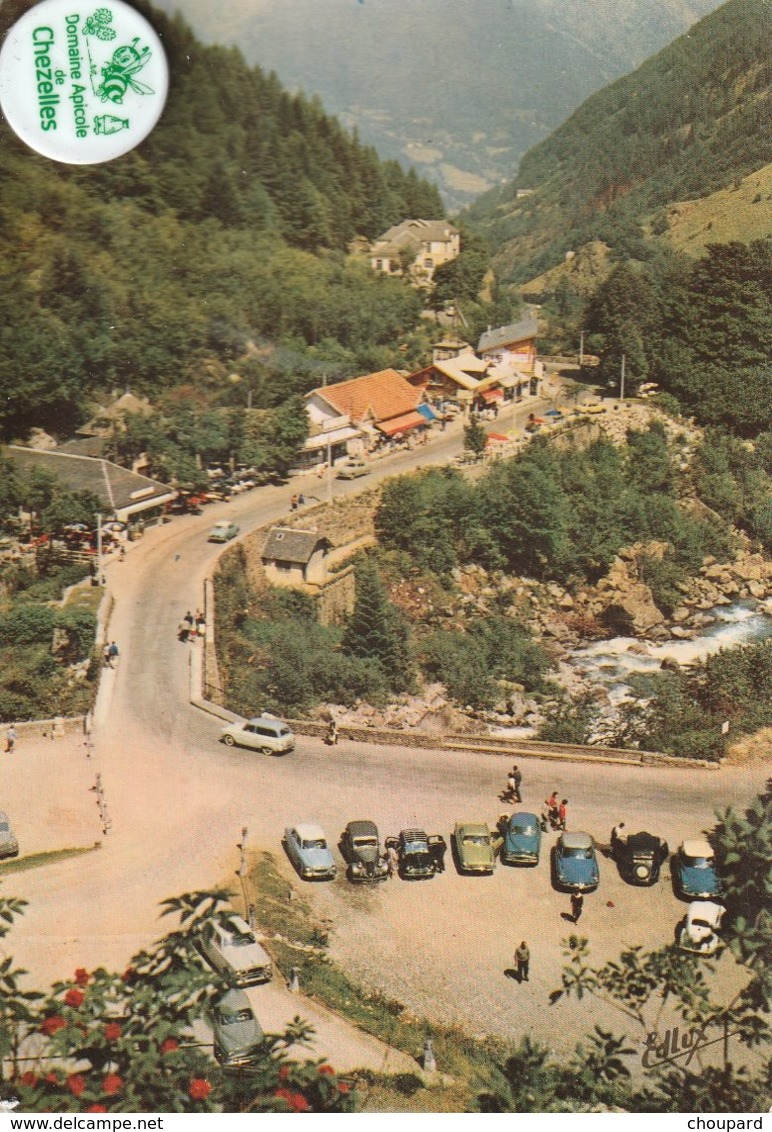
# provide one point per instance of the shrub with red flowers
(130, 1042)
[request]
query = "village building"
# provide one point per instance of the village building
(361, 413)
(512, 344)
(294, 557)
(415, 248)
(124, 495)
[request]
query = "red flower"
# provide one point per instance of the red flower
(112, 1084)
(296, 1101)
(284, 1072)
(52, 1024)
(76, 1084)
(97, 1108)
(81, 977)
(51, 1078)
(199, 1089)
(74, 997)
(112, 1031)
(327, 1069)
(343, 1087)
(169, 1045)
(29, 1079)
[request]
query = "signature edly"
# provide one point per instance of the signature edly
(676, 1044)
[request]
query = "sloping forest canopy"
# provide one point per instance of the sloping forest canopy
(229, 225)
(691, 120)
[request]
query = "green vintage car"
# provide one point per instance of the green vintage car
(475, 851)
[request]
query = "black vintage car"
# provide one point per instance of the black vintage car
(361, 847)
(639, 857)
(416, 860)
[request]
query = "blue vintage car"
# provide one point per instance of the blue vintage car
(522, 840)
(576, 866)
(309, 852)
(693, 873)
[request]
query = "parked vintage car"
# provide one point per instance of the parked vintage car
(352, 469)
(694, 875)
(231, 947)
(639, 857)
(699, 932)
(263, 733)
(309, 852)
(474, 847)
(522, 839)
(575, 863)
(9, 846)
(223, 531)
(238, 1036)
(416, 861)
(361, 847)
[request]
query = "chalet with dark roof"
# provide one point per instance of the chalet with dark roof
(293, 557)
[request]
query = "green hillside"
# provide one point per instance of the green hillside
(689, 122)
(225, 231)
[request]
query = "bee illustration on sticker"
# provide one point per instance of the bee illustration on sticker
(117, 75)
(98, 24)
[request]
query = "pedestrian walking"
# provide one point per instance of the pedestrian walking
(200, 625)
(113, 654)
(522, 962)
(189, 618)
(438, 847)
(562, 812)
(183, 630)
(393, 860)
(618, 837)
(332, 733)
(511, 790)
(11, 736)
(294, 503)
(517, 775)
(106, 654)
(551, 804)
(577, 906)
(301, 499)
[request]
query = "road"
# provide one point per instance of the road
(178, 801)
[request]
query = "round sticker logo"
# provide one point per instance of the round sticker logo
(82, 84)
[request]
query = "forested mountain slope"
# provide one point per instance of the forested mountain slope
(460, 89)
(687, 123)
(229, 223)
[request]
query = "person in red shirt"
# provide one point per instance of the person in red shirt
(552, 807)
(562, 814)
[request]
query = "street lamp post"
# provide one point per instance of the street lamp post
(622, 380)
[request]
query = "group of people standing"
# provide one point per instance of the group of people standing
(191, 626)
(555, 812)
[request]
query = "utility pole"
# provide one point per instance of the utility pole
(99, 548)
(581, 349)
(622, 381)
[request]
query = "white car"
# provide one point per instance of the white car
(231, 947)
(264, 733)
(223, 531)
(699, 933)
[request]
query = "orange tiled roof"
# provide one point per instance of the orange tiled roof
(383, 395)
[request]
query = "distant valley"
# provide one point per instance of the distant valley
(460, 90)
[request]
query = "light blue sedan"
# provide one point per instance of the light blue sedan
(309, 852)
(522, 840)
(576, 866)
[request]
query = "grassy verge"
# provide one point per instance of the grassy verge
(37, 860)
(298, 939)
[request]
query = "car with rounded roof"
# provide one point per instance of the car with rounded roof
(263, 733)
(639, 857)
(361, 847)
(9, 845)
(694, 873)
(474, 847)
(307, 848)
(230, 946)
(223, 531)
(522, 839)
(352, 470)
(575, 863)
(238, 1036)
(699, 932)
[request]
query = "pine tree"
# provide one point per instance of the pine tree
(377, 630)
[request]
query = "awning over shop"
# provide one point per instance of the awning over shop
(334, 436)
(404, 423)
(427, 412)
(489, 395)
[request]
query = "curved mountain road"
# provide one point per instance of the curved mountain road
(178, 800)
